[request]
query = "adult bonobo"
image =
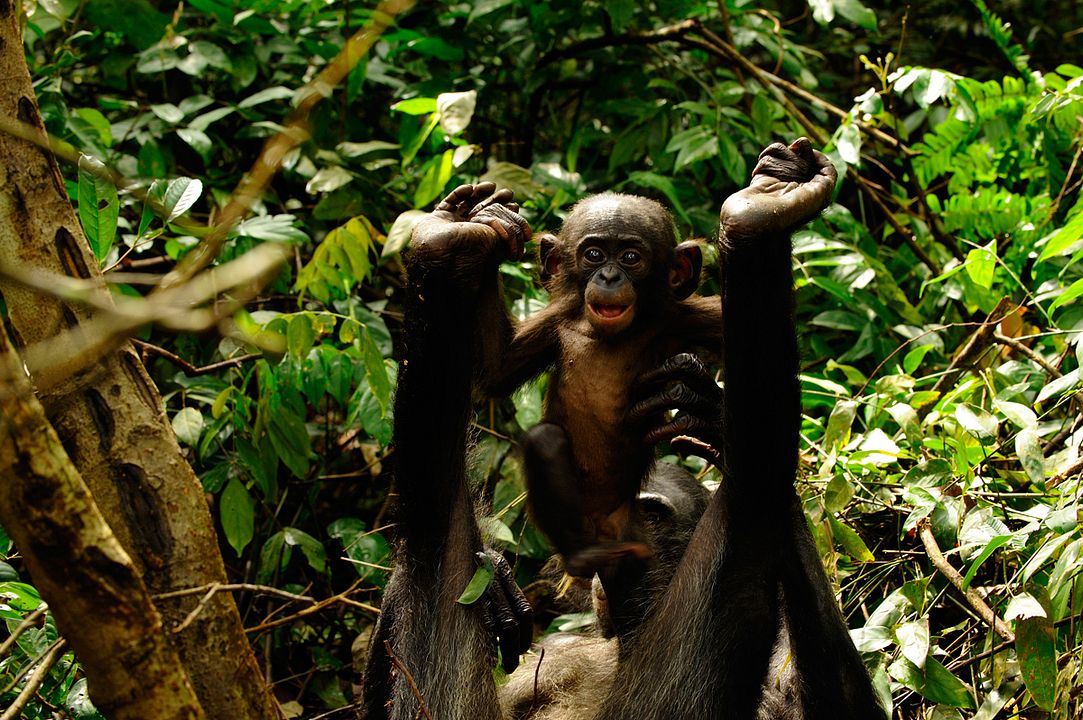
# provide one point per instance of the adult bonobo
(749, 583)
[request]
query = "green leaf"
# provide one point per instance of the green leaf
(300, 335)
(415, 106)
(850, 541)
(838, 493)
(180, 194)
(375, 371)
(977, 422)
(1058, 387)
(399, 234)
(99, 206)
(480, 582)
(1064, 238)
(990, 547)
(237, 512)
(1071, 293)
(936, 683)
(694, 144)
(188, 424)
(273, 557)
(848, 143)
(311, 548)
(1036, 647)
(981, 264)
(437, 171)
(914, 640)
(1029, 449)
(456, 110)
(277, 92)
(289, 436)
(842, 417)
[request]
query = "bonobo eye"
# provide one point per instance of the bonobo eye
(630, 257)
(593, 255)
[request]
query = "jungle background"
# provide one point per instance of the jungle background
(938, 300)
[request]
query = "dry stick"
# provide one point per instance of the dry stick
(972, 596)
(976, 345)
(1028, 352)
(1063, 475)
(245, 587)
(28, 622)
(293, 133)
(342, 597)
(189, 368)
(423, 709)
(54, 653)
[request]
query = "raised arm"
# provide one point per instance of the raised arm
(704, 650)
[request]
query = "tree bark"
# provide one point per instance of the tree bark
(110, 417)
(94, 591)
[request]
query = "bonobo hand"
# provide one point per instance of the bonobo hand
(683, 384)
(506, 614)
(790, 185)
(473, 227)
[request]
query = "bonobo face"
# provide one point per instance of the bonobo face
(612, 268)
(616, 253)
(620, 242)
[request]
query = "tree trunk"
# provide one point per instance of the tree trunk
(110, 417)
(98, 598)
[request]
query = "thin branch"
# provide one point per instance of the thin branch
(42, 662)
(423, 709)
(976, 345)
(972, 596)
(234, 587)
(342, 597)
(189, 368)
(1027, 352)
(1063, 475)
(28, 622)
(51, 656)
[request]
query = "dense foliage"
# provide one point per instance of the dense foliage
(939, 297)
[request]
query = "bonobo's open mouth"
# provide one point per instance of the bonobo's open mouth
(609, 312)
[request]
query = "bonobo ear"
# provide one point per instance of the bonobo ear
(548, 256)
(684, 275)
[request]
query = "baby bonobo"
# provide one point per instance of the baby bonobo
(620, 305)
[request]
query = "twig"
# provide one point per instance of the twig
(409, 679)
(976, 345)
(245, 587)
(49, 659)
(189, 368)
(972, 596)
(342, 597)
(1060, 477)
(1028, 352)
(28, 622)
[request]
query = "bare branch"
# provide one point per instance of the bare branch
(973, 597)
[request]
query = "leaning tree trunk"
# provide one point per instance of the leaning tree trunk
(110, 417)
(94, 591)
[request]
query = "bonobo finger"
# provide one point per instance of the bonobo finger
(684, 367)
(509, 225)
(690, 435)
(793, 163)
(463, 198)
(677, 396)
(507, 633)
(517, 602)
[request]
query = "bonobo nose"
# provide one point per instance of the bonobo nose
(609, 274)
